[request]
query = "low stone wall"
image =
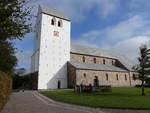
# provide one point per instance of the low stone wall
(90, 89)
(5, 88)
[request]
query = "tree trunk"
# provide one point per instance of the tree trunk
(143, 88)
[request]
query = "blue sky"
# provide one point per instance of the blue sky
(117, 25)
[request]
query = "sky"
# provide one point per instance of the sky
(117, 25)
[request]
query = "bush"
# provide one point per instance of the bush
(90, 88)
(5, 88)
(102, 89)
(145, 85)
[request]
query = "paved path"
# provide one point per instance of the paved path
(33, 102)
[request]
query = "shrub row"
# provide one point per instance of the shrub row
(90, 88)
(145, 85)
(5, 88)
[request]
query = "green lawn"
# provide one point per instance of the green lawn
(123, 97)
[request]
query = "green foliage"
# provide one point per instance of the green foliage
(143, 68)
(14, 24)
(144, 61)
(7, 57)
(121, 97)
(5, 88)
(14, 18)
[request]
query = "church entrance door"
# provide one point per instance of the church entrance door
(59, 84)
(96, 81)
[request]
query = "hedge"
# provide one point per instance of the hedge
(5, 88)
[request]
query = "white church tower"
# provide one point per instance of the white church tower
(51, 49)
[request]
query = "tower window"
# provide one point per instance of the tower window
(83, 58)
(60, 23)
(84, 75)
(117, 77)
(53, 21)
(103, 61)
(106, 76)
(94, 60)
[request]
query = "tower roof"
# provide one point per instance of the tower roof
(53, 12)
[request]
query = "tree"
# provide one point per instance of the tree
(14, 24)
(14, 19)
(7, 57)
(143, 68)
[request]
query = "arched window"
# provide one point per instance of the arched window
(84, 75)
(106, 76)
(134, 77)
(96, 81)
(103, 61)
(83, 58)
(125, 77)
(53, 21)
(60, 23)
(94, 60)
(117, 77)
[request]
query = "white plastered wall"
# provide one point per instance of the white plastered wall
(54, 52)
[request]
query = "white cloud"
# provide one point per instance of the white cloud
(134, 26)
(24, 58)
(128, 28)
(79, 9)
(130, 47)
(139, 4)
(107, 7)
(125, 37)
(139, 7)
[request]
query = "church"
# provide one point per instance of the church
(57, 63)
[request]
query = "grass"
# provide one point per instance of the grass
(121, 97)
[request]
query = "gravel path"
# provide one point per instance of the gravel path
(33, 102)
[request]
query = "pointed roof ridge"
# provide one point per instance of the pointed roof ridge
(53, 12)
